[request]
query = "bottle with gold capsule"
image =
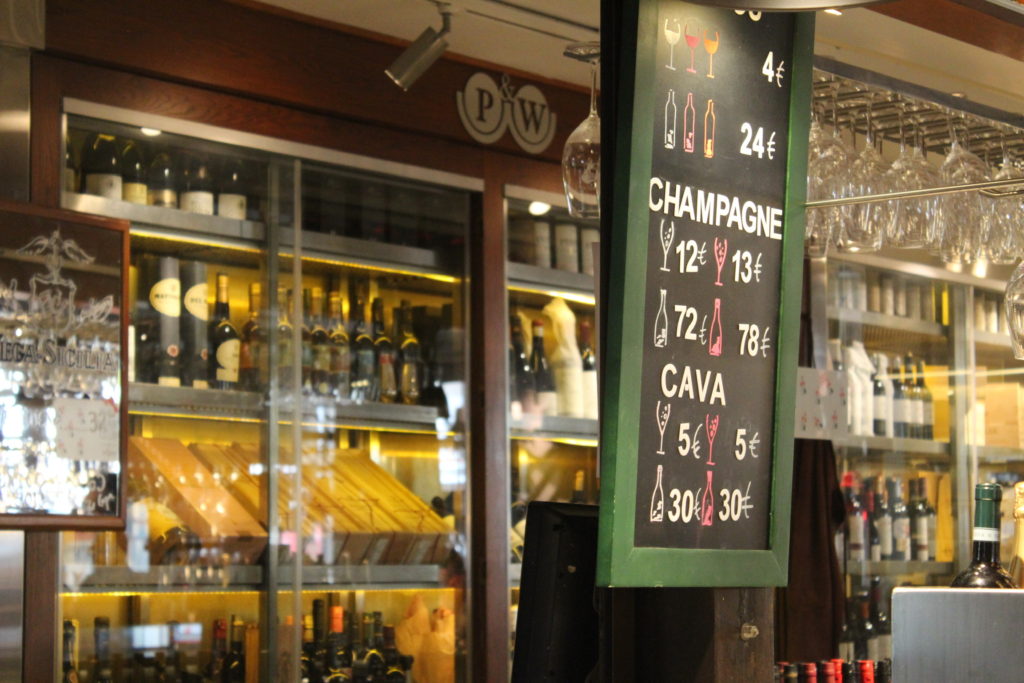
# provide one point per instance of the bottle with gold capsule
(411, 357)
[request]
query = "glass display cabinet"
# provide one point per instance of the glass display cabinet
(297, 454)
(552, 333)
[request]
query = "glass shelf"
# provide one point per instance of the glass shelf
(899, 568)
(911, 325)
(153, 399)
(167, 580)
(999, 340)
(551, 282)
(999, 454)
(880, 445)
(578, 430)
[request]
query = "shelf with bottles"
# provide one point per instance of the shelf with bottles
(898, 521)
(887, 300)
(549, 252)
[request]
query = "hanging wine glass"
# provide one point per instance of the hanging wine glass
(960, 214)
(817, 233)
(1001, 239)
(911, 222)
(868, 175)
(1015, 310)
(581, 156)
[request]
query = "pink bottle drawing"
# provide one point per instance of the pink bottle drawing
(715, 341)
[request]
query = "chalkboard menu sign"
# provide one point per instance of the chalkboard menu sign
(63, 427)
(704, 298)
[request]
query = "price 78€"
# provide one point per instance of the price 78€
(754, 340)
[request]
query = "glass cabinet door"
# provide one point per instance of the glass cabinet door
(553, 393)
(297, 456)
(891, 341)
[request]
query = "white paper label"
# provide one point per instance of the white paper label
(165, 297)
(982, 533)
(197, 202)
(227, 360)
(103, 184)
(195, 301)
(87, 429)
(231, 206)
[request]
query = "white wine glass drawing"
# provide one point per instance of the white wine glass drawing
(663, 412)
(672, 36)
(711, 45)
(667, 236)
(691, 31)
(581, 156)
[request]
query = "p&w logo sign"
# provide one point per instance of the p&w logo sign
(487, 110)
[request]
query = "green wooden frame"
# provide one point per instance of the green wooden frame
(619, 562)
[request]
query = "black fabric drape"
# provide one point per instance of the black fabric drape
(810, 610)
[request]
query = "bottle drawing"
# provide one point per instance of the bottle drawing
(689, 122)
(709, 131)
(661, 324)
(663, 411)
(670, 120)
(658, 500)
(715, 341)
(707, 502)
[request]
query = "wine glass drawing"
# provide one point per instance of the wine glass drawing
(663, 412)
(691, 31)
(711, 45)
(581, 156)
(721, 250)
(672, 36)
(666, 242)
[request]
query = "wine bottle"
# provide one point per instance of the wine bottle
(808, 672)
(319, 658)
(320, 344)
(306, 355)
(341, 358)
(524, 393)
(883, 520)
(927, 404)
(395, 671)
(364, 373)
(547, 399)
(985, 570)
(307, 660)
(847, 635)
(101, 166)
(134, 185)
(195, 317)
(224, 341)
(411, 358)
(689, 122)
(1016, 566)
(901, 549)
(590, 397)
(883, 672)
(370, 655)
(709, 130)
(252, 354)
(880, 618)
(670, 120)
(337, 650)
(163, 280)
(900, 404)
(285, 346)
(70, 180)
(234, 668)
(868, 634)
(856, 550)
(215, 668)
(874, 539)
(196, 186)
(103, 671)
(916, 400)
(163, 182)
(918, 524)
(931, 520)
(384, 349)
(880, 397)
(232, 201)
(69, 666)
(866, 670)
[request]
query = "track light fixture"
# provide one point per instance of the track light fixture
(419, 56)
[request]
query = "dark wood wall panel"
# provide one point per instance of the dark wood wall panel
(960, 20)
(234, 48)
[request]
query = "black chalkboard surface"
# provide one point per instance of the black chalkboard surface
(696, 414)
